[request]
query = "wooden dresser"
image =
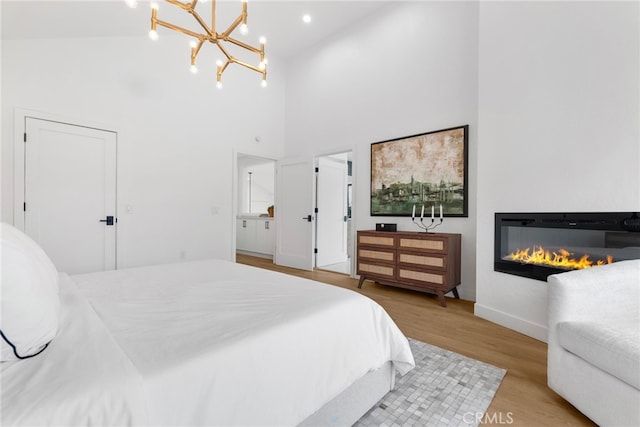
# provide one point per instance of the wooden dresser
(426, 262)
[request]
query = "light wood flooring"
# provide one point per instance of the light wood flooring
(523, 398)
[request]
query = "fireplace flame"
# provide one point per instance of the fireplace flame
(561, 259)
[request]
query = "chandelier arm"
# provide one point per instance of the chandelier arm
(196, 50)
(179, 29)
(249, 66)
(243, 45)
(221, 69)
(202, 23)
(232, 27)
(213, 16)
(190, 8)
(183, 6)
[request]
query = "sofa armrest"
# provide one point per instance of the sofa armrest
(599, 293)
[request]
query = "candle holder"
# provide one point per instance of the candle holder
(427, 227)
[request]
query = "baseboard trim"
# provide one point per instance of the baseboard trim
(507, 320)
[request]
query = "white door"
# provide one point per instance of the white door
(294, 213)
(70, 194)
(331, 239)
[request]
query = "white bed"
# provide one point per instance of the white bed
(206, 343)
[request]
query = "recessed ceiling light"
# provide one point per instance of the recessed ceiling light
(306, 18)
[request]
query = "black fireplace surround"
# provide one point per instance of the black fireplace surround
(563, 241)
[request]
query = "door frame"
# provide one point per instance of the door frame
(19, 158)
(350, 234)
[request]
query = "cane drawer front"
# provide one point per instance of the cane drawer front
(424, 243)
(376, 240)
(429, 279)
(377, 270)
(377, 255)
(423, 260)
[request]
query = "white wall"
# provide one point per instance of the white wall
(409, 68)
(176, 132)
(557, 129)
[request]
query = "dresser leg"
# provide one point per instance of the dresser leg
(362, 278)
(455, 293)
(441, 298)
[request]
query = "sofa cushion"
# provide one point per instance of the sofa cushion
(614, 348)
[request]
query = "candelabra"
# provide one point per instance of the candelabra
(422, 225)
(427, 227)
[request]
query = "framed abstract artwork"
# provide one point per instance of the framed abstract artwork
(428, 169)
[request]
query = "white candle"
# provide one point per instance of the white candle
(440, 211)
(422, 213)
(432, 211)
(413, 214)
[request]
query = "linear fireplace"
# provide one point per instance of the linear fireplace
(536, 245)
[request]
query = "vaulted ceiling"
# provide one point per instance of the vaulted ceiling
(279, 21)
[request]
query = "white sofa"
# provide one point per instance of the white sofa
(593, 358)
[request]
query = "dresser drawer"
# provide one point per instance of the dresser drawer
(366, 253)
(376, 240)
(429, 278)
(382, 271)
(427, 244)
(422, 260)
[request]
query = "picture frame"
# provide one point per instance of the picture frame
(428, 169)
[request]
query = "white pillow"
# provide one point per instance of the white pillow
(28, 296)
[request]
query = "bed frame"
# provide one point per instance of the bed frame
(350, 405)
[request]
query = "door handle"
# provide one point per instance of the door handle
(108, 220)
(308, 218)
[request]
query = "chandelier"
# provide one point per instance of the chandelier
(209, 34)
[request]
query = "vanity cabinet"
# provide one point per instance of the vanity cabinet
(425, 262)
(255, 234)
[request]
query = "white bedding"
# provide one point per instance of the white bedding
(210, 343)
(82, 378)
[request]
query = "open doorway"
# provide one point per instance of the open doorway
(334, 228)
(255, 221)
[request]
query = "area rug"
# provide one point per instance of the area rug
(444, 389)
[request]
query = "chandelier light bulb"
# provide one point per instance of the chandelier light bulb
(244, 30)
(194, 69)
(263, 40)
(154, 5)
(132, 3)
(262, 65)
(219, 62)
(193, 44)
(219, 85)
(306, 18)
(264, 83)
(153, 35)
